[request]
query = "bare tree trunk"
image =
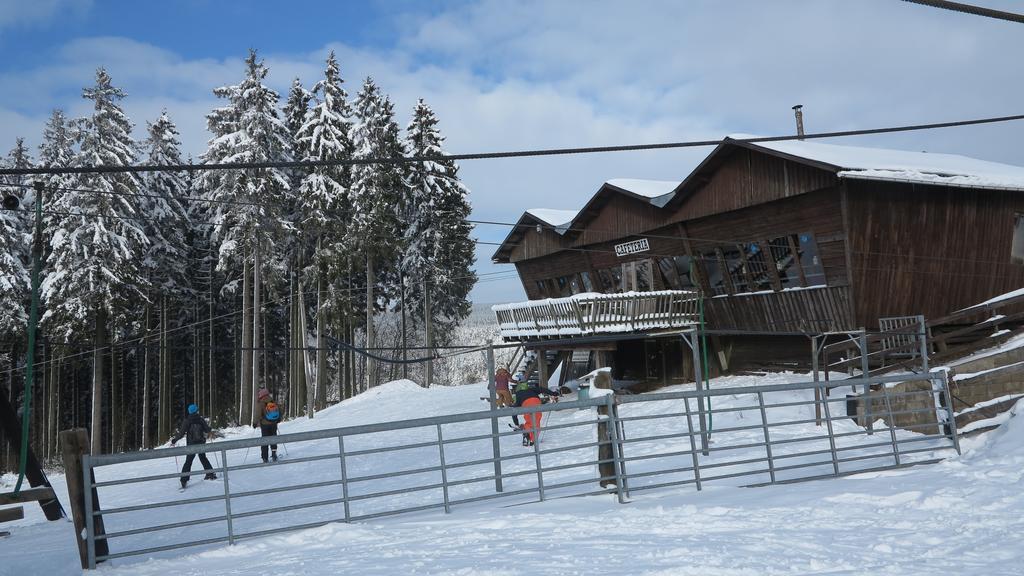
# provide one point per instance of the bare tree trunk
(306, 383)
(98, 355)
(197, 361)
(292, 352)
(147, 402)
(370, 365)
(295, 393)
(245, 382)
(164, 422)
(212, 368)
(405, 341)
(116, 403)
(52, 405)
(428, 325)
(256, 333)
(353, 380)
(321, 347)
(340, 374)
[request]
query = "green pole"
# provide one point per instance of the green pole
(33, 315)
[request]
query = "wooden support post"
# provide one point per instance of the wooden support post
(11, 426)
(605, 452)
(74, 444)
(542, 368)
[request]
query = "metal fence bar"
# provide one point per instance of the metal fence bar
(227, 497)
(495, 443)
(344, 477)
(444, 473)
(949, 411)
(613, 436)
(767, 438)
(90, 530)
(693, 443)
(892, 426)
(540, 469)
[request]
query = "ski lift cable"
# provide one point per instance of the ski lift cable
(970, 9)
(486, 155)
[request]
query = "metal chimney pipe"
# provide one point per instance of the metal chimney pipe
(799, 120)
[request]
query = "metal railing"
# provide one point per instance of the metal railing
(767, 435)
(585, 314)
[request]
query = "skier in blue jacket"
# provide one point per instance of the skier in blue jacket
(194, 429)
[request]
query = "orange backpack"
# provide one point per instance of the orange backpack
(271, 413)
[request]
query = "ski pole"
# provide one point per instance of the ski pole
(246, 455)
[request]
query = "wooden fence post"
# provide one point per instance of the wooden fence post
(75, 443)
(605, 454)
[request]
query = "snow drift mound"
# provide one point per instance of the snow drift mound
(1004, 445)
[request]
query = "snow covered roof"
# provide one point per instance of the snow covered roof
(559, 219)
(658, 191)
(901, 165)
(851, 162)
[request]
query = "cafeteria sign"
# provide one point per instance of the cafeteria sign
(627, 248)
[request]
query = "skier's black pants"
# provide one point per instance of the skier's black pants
(188, 466)
(268, 430)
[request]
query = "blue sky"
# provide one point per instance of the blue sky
(507, 75)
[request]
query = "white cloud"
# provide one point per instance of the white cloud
(537, 74)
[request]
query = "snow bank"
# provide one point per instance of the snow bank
(894, 522)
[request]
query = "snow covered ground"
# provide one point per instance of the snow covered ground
(964, 515)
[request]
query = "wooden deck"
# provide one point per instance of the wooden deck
(591, 313)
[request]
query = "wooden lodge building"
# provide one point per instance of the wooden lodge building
(782, 240)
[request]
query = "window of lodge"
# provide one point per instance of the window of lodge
(810, 260)
(588, 283)
(784, 255)
(677, 272)
(1017, 247)
(730, 268)
(757, 266)
(716, 281)
(734, 266)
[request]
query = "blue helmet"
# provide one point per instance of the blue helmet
(192, 408)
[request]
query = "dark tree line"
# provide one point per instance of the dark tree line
(169, 288)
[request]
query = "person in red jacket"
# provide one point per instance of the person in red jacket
(501, 379)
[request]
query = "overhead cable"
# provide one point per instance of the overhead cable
(483, 155)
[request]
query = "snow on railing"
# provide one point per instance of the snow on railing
(594, 313)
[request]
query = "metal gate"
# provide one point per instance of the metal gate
(744, 436)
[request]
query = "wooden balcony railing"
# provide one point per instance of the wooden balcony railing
(592, 313)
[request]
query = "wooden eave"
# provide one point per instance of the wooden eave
(523, 225)
(596, 203)
(702, 173)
